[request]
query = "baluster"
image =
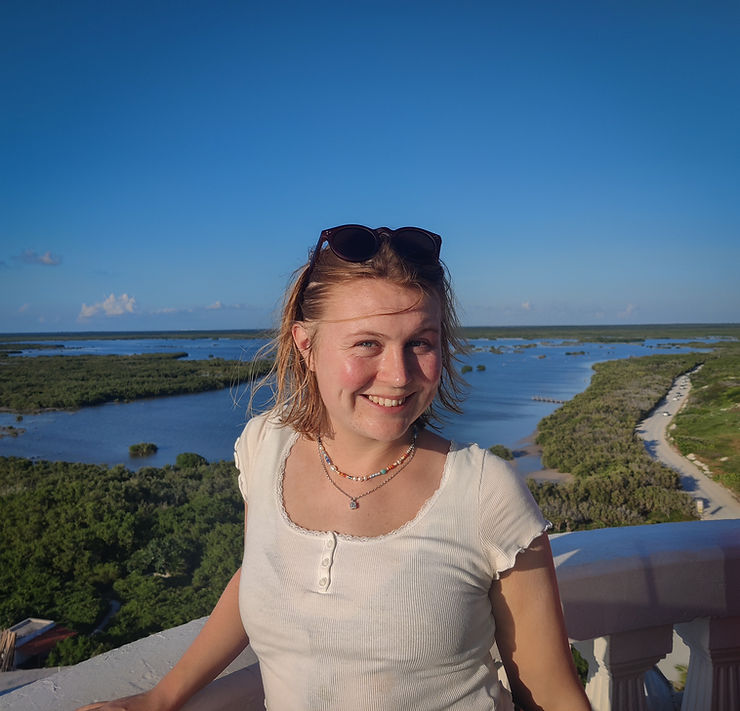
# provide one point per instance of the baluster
(617, 665)
(713, 679)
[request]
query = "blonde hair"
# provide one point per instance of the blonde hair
(296, 400)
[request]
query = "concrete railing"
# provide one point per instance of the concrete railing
(625, 591)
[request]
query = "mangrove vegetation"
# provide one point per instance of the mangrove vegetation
(502, 451)
(76, 537)
(32, 384)
(606, 334)
(593, 438)
(143, 449)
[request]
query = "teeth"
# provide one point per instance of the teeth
(385, 402)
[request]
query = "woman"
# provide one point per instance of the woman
(380, 560)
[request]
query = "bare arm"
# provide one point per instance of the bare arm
(531, 636)
(216, 646)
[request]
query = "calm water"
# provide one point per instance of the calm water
(498, 409)
(196, 348)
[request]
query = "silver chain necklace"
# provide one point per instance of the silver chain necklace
(409, 452)
(353, 504)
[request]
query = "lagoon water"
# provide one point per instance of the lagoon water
(498, 409)
(196, 348)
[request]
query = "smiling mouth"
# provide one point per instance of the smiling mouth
(386, 402)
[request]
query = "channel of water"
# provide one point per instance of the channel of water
(499, 407)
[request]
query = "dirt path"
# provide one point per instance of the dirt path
(714, 501)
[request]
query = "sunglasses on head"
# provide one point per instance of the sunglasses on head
(356, 243)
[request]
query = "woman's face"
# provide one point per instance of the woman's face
(376, 353)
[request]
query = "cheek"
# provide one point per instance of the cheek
(350, 374)
(432, 368)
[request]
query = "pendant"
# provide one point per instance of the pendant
(353, 504)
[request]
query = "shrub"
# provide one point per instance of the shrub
(186, 460)
(143, 449)
(466, 369)
(500, 451)
(74, 650)
(70, 548)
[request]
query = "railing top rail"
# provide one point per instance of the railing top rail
(620, 579)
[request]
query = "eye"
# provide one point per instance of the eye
(366, 344)
(420, 345)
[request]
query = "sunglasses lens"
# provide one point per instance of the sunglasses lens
(415, 245)
(353, 244)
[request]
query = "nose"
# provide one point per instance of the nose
(395, 369)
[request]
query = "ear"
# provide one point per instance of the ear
(302, 339)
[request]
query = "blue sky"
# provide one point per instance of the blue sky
(167, 165)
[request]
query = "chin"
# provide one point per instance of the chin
(389, 431)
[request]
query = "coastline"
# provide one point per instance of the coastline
(714, 501)
(528, 462)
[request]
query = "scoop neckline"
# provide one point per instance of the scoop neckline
(423, 509)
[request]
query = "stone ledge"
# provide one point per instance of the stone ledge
(620, 579)
(137, 667)
(11, 680)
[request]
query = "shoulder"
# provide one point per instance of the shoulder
(257, 431)
(475, 461)
(497, 484)
(508, 516)
(261, 441)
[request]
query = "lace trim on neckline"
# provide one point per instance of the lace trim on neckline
(454, 447)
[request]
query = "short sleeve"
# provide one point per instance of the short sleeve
(509, 517)
(245, 449)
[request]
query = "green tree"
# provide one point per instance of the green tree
(142, 449)
(187, 460)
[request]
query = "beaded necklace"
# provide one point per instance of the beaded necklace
(353, 504)
(326, 458)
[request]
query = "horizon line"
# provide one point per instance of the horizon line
(549, 327)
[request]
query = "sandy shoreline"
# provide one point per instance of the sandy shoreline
(527, 450)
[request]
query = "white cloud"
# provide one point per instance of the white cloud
(47, 259)
(111, 306)
(526, 305)
(24, 308)
(628, 311)
(221, 306)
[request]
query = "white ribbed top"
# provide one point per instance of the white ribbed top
(395, 622)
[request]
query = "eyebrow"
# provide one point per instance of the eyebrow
(379, 334)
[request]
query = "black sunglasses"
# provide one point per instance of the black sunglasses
(356, 243)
